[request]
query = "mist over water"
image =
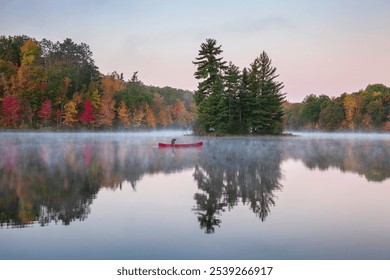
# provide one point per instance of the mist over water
(69, 182)
(343, 135)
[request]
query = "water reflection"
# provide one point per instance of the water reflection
(46, 179)
(234, 171)
(367, 157)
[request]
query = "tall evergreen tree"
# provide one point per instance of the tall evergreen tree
(209, 95)
(267, 112)
(245, 99)
(232, 94)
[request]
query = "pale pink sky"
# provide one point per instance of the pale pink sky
(319, 47)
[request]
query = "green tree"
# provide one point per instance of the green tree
(233, 83)
(312, 109)
(293, 114)
(10, 48)
(331, 115)
(209, 95)
(245, 102)
(266, 110)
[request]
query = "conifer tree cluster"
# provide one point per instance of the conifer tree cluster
(233, 101)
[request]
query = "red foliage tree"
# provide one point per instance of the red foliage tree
(45, 113)
(87, 117)
(10, 110)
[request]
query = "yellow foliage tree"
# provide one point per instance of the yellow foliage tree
(95, 100)
(180, 113)
(110, 84)
(70, 114)
(107, 110)
(162, 118)
(123, 114)
(30, 51)
(149, 116)
(349, 109)
(138, 117)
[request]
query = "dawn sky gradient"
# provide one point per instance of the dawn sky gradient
(319, 47)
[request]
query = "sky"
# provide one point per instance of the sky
(318, 47)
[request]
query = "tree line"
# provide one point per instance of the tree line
(231, 101)
(367, 109)
(57, 85)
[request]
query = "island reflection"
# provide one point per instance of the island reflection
(234, 171)
(46, 180)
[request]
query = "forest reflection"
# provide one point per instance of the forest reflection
(46, 180)
(236, 171)
(367, 157)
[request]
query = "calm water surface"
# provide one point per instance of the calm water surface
(118, 196)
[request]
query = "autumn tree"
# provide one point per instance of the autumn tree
(95, 98)
(123, 114)
(46, 112)
(150, 120)
(180, 113)
(162, 118)
(30, 52)
(64, 72)
(107, 111)
(70, 114)
(87, 117)
(8, 78)
(158, 108)
(61, 97)
(110, 84)
(10, 48)
(11, 111)
(137, 119)
(349, 105)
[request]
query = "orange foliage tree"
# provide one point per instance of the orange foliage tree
(123, 114)
(149, 116)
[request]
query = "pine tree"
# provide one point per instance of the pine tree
(209, 95)
(245, 99)
(232, 94)
(267, 110)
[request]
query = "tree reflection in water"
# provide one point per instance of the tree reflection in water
(233, 171)
(46, 179)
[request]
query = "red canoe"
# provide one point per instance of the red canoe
(164, 145)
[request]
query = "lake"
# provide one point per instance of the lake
(118, 196)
